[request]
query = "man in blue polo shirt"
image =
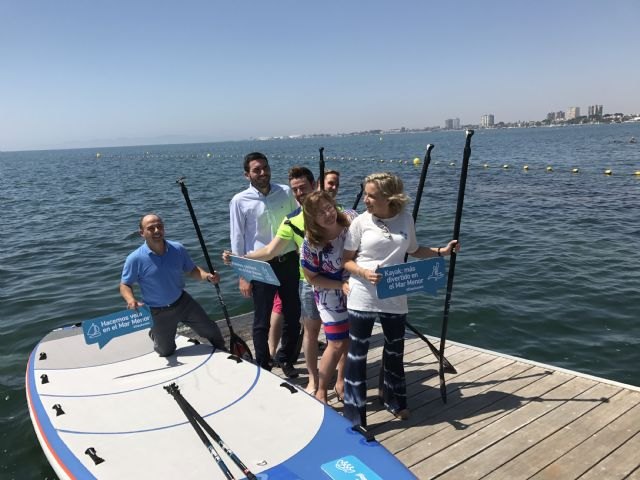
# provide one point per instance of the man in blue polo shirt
(159, 267)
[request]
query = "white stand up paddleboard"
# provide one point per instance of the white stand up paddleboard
(104, 413)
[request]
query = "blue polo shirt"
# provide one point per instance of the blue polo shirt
(161, 277)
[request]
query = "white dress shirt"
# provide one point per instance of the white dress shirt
(255, 217)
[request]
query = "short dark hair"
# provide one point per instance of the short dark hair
(332, 172)
(249, 157)
(298, 172)
(148, 215)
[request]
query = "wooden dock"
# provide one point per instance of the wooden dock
(505, 417)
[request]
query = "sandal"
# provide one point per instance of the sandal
(339, 397)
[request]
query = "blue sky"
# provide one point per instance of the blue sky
(89, 74)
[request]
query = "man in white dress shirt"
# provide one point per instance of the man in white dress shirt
(255, 214)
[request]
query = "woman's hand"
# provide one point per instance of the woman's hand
(450, 246)
(226, 257)
(370, 276)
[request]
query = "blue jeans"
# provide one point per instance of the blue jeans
(394, 389)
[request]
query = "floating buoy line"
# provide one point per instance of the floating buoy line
(413, 162)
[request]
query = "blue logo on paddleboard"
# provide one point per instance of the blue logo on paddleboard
(102, 329)
(349, 468)
(421, 276)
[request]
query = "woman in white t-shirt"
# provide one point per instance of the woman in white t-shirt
(379, 237)
(321, 258)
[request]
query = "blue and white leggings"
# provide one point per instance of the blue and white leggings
(394, 390)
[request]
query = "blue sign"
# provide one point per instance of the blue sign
(421, 276)
(349, 468)
(102, 329)
(254, 270)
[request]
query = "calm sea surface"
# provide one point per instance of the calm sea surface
(549, 270)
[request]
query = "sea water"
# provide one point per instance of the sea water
(549, 268)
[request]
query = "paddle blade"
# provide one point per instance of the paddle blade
(239, 348)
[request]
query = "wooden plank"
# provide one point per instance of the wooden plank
(551, 451)
(523, 428)
(432, 415)
(505, 417)
(623, 463)
(451, 446)
(606, 450)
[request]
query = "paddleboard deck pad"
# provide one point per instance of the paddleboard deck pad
(104, 413)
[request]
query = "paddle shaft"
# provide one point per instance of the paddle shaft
(423, 177)
(359, 196)
(321, 179)
(236, 344)
(416, 209)
(177, 396)
(205, 252)
(214, 435)
(452, 259)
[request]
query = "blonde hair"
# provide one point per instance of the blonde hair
(315, 234)
(391, 188)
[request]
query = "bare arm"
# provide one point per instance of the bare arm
(127, 293)
(274, 248)
(350, 265)
(200, 274)
(318, 280)
(428, 252)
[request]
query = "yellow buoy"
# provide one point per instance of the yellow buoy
(608, 172)
(575, 170)
(549, 169)
(486, 165)
(208, 155)
(526, 167)
(637, 173)
(416, 161)
(505, 166)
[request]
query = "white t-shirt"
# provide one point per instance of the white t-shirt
(379, 243)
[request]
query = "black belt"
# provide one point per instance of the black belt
(284, 258)
(167, 307)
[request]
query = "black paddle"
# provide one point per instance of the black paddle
(452, 259)
(175, 393)
(237, 346)
(191, 412)
(416, 208)
(321, 178)
(359, 196)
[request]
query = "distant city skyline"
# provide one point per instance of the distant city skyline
(119, 73)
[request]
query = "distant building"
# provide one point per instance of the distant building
(448, 123)
(555, 116)
(573, 112)
(456, 124)
(595, 111)
(487, 120)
